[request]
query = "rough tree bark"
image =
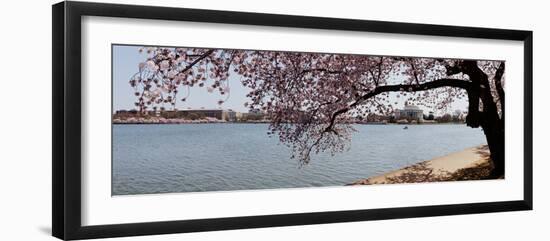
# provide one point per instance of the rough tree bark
(486, 115)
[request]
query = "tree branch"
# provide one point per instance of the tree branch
(393, 88)
(321, 70)
(414, 71)
(197, 60)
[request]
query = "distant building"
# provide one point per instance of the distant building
(409, 112)
(231, 115)
(195, 114)
(253, 115)
(220, 114)
(125, 113)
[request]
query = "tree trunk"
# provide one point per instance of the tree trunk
(488, 118)
(494, 134)
(495, 141)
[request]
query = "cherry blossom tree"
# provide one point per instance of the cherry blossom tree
(311, 98)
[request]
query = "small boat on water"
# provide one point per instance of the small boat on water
(405, 128)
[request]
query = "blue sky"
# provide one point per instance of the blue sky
(125, 65)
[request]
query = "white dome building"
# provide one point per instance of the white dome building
(410, 112)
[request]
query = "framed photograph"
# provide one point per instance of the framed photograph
(169, 120)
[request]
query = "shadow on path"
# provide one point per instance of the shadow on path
(423, 172)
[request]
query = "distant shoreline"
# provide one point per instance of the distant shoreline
(202, 121)
(190, 123)
(267, 122)
(180, 122)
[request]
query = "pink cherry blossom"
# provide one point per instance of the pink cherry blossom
(311, 98)
(164, 65)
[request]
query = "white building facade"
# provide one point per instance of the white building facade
(410, 112)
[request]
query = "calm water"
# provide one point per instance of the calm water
(215, 157)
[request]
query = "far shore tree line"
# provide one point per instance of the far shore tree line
(458, 118)
(189, 115)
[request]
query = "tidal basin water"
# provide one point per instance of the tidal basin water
(219, 157)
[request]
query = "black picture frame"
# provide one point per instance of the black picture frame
(66, 167)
